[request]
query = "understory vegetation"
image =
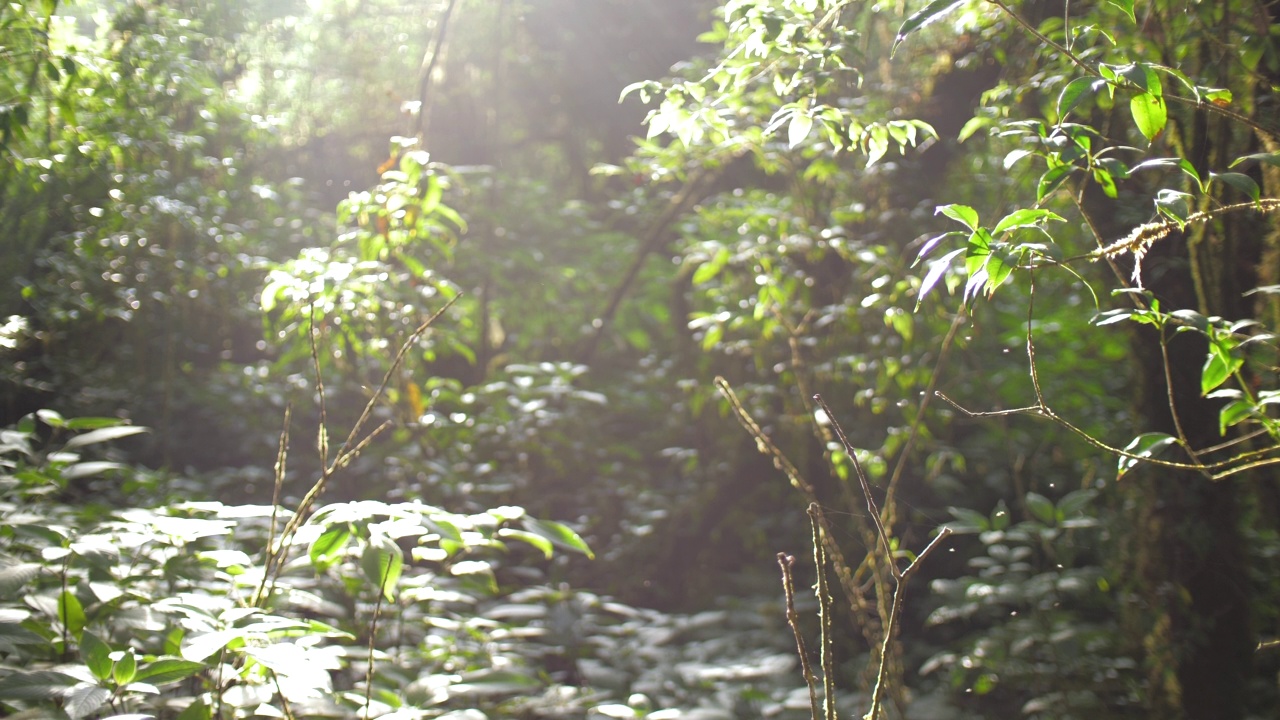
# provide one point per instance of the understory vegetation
(475, 359)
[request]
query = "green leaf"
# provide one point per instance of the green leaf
(1051, 179)
(1106, 182)
(38, 685)
(196, 711)
(929, 13)
(96, 655)
(1041, 508)
(1074, 502)
(1270, 158)
(1149, 114)
(708, 270)
(382, 562)
(558, 534)
(1218, 367)
(533, 539)
(1076, 91)
(799, 127)
(85, 700)
(961, 213)
(1174, 204)
(167, 670)
(1239, 181)
(1126, 6)
(93, 423)
(1146, 445)
(104, 435)
(1023, 218)
(70, 612)
(1233, 413)
(327, 549)
(126, 668)
(969, 521)
(937, 269)
(15, 577)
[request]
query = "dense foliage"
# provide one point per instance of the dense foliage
(962, 313)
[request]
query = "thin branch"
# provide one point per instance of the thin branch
(429, 69)
(823, 592)
(891, 487)
(764, 444)
(282, 454)
(649, 243)
(866, 486)
(786, 562)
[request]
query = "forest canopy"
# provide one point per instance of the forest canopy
(472, 359)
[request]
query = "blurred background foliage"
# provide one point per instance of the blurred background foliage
(212, 212)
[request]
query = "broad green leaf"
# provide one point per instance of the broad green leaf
(1218, 97)
(533, 539)
(382, 562)
(1233, 413)
(1000, 516)
(929, 13)
(93, 423)
(38, 685)
(799, 127)
(96, 655)
(559, 534)
(1270, 158)
(196, 711)
(1074, 502)
(70, 612)
(1146, 445)
(1174, 204)
(1014, 156)
(708, 270)
(1126, 6)
(1106, 182)
(1041, 508)
(1218, 367)
(937, 269)
(327, 549)
(1149, 114)
(1076, 91)
(932, 243)
(1051, 179)
(104, 435)
(126, 668)
(877, 143)
(1239, 181)
(167, 670)
(961, 213)
(15, 577)
(968, 521)
(1024, 217)
(85, 700)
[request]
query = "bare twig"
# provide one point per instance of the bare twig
(786, 562)
(866, 486)
(823, 592)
